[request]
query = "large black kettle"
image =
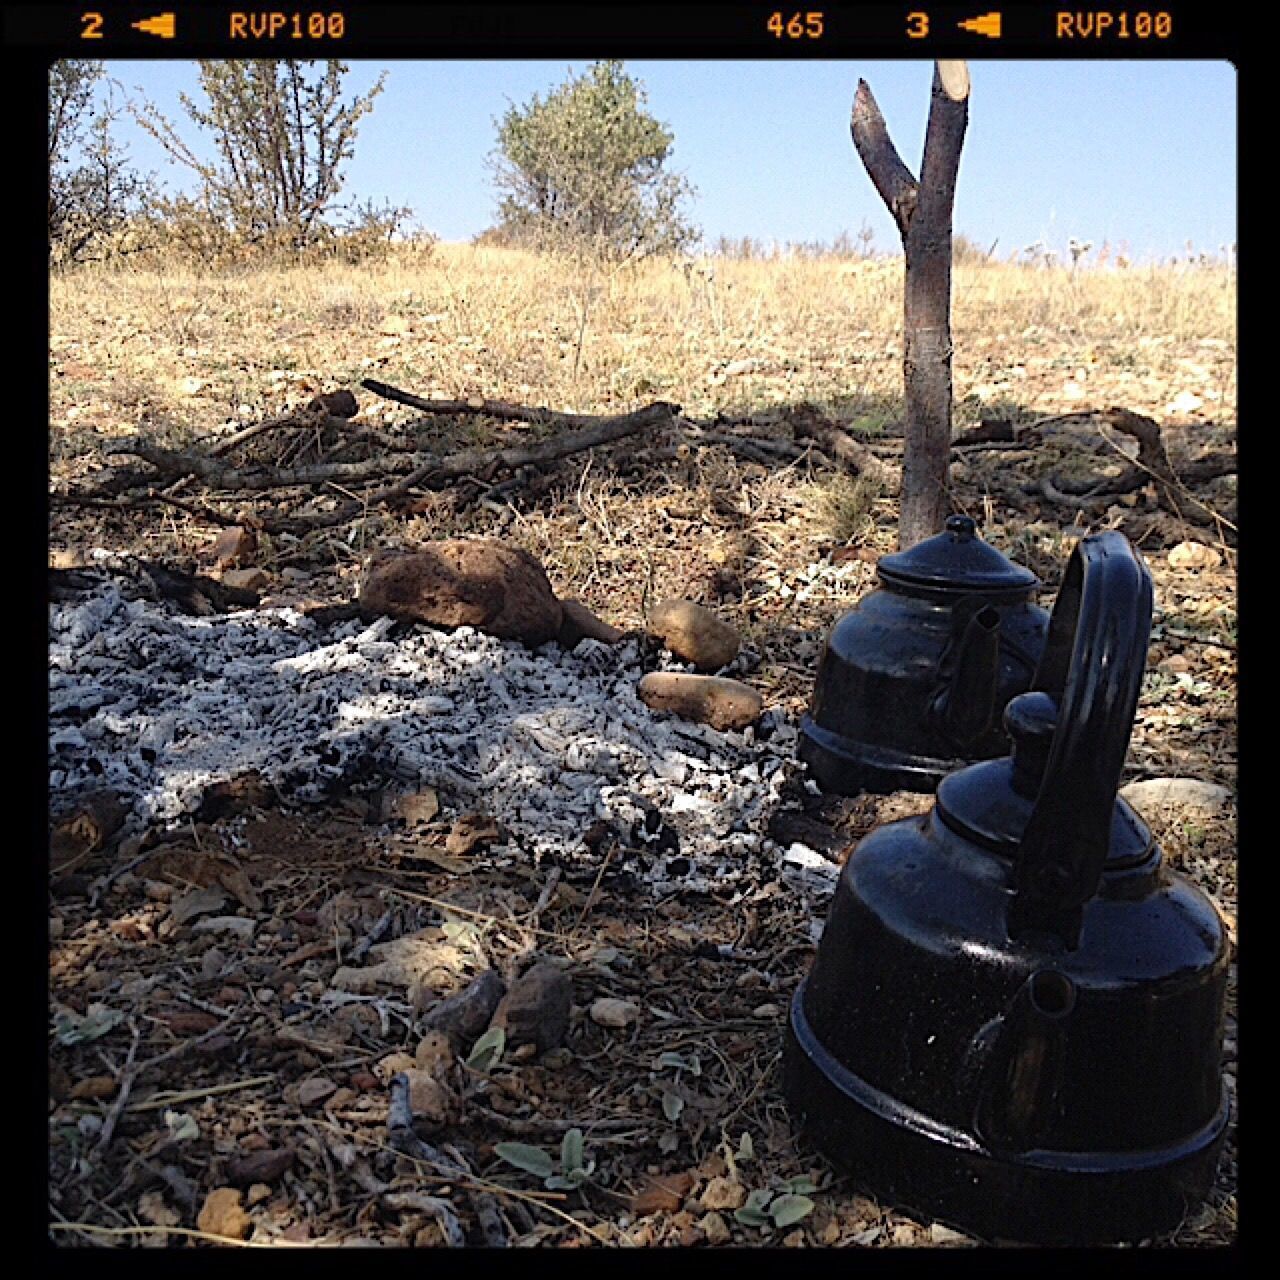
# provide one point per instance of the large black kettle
(912, 680)
(1014, 1019)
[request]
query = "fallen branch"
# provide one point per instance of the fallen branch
(834, 440)
(501, 409)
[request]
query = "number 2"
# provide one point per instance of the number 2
(92, 26)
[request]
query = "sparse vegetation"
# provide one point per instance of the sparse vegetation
(586, 170)
(282, 134)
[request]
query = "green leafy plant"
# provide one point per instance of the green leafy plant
(771, 1207)
(585, 170)
(487, 1052)
(574, 1168)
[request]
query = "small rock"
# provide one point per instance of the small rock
(481, 583)
(715, 1228)
(234, 546)
(222, 1214)
(417, 808)
(94, 1087)
(314, 1091)
(1187, 795)
(467, 1014)
(1176, 663)
(393, 1064)
(610, 1012)
(338, 404)
(241, 926)
(246, 579)
(434, 1054)
(470, 832)
(1184, 402)
(430, 1098)
(722, 703)
(723, 1193)
(1194, 555)
(260, 1166)
(695, 634)
(199, 902)
(393, 325)
(535, 1011)
(257, 1193)
(579, 623)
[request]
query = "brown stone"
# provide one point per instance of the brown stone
(480, 583)
(536, 1008)
(338, 404)
(694, 634)
(246, 579)
(579, 623)
(222, 1215)
(260, 1166)
(722, 703)
(234, 546)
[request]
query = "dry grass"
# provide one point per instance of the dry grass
(186, 349)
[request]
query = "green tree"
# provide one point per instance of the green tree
(585, 169)
(281, 134)
(93, 193)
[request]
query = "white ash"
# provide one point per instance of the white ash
(158, 706)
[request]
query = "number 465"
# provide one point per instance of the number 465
(799, 26)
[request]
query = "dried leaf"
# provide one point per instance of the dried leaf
(664, 1194)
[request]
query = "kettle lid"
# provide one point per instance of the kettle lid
(956, 560)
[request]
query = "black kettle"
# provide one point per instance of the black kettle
(1014, 1019)
(913, 679)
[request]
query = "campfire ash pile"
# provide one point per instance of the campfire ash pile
(158, 706)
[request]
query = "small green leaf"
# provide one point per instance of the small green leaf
(487, 1051)
(73, 1028)
(753, 1212)
(531, 1159)
(557, 1183)
(571, 1151)
(746, 1148)
(668, 1141)
(787, 1210)
(800, 1186)
(672, 1105)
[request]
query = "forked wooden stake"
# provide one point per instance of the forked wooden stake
(922, 211)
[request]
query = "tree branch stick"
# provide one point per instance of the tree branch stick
(890, 176)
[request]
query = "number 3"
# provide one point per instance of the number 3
(917, 26)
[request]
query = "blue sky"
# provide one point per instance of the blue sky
(1139, 152)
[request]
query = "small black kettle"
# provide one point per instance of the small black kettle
(912, 679)
(1014, 1019)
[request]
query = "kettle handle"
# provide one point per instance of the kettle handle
(1092, 666)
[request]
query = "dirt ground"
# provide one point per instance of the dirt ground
(217, 1084)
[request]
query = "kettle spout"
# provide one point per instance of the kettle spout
(967, 707)
(1021, 1063)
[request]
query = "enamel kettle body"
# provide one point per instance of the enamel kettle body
(1014, 1019)
(913, 679)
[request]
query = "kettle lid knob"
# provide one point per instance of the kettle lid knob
(1030, 720)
